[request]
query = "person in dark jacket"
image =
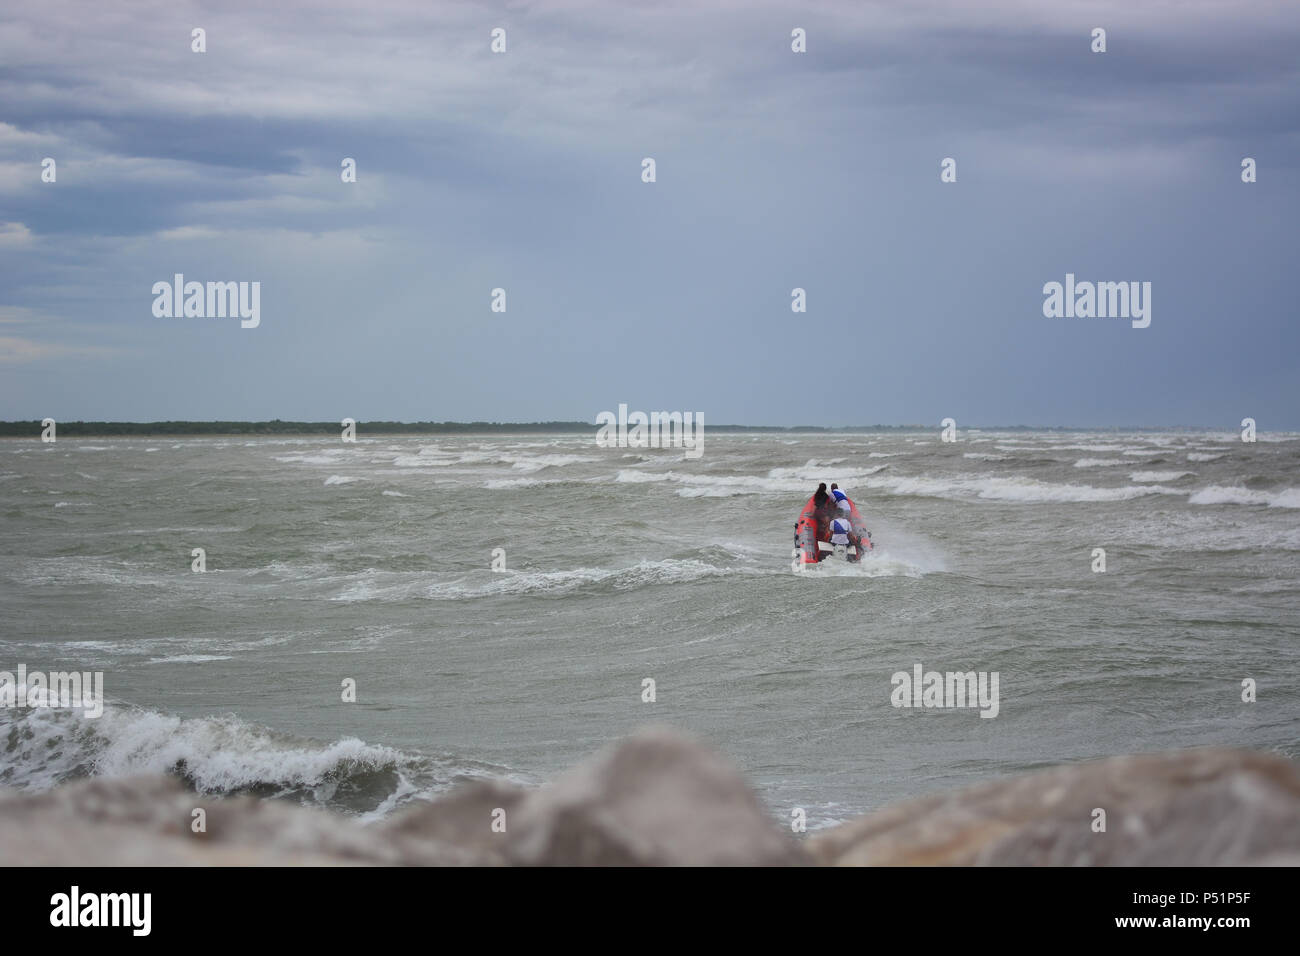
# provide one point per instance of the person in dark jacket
(824, 507)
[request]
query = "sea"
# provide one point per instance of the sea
(363, 625)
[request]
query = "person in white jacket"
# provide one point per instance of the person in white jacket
(842, 531)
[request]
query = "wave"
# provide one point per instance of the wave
(419, 461)
(1017, 489)
(504, 484)
(1146, 476)
(982, 456)
(380, 586)
(72, 570)
(641, 477)
(340, 480)
(779, 481)
(1100, 462)
(1093, 447)
(531, 463)
(796, 480)
(1236, 495)
(812, 471)
(435, 457)
(1202, 456)
(224, 755)
(324, 458)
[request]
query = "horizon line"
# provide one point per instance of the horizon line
(21, 427)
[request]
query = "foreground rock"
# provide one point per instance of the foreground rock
(658, 798)
(1188, 808)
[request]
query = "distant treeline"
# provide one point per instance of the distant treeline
(32, 429)
(278, 427)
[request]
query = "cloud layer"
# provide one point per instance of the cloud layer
(774, 170)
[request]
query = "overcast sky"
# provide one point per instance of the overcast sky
(775, 170)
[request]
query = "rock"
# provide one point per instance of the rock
(145, 821)
(461, 820)
(656, 798)
(660, 799)
(1209, 807)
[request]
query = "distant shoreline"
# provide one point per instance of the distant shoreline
(232, 429)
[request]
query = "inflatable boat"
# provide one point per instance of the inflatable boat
(812, 533)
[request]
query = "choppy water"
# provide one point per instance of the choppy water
(372, 561)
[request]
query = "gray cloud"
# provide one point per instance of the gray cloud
(775, 170)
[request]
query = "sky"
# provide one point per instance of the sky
(774, 170)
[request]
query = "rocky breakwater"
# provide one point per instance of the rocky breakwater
(660, 798)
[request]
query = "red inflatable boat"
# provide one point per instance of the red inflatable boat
(812, 532)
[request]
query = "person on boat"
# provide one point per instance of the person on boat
(842, 532)
(844, 507)
(824, 509)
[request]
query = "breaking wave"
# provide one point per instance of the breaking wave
(1220, 495)
(43, 747)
